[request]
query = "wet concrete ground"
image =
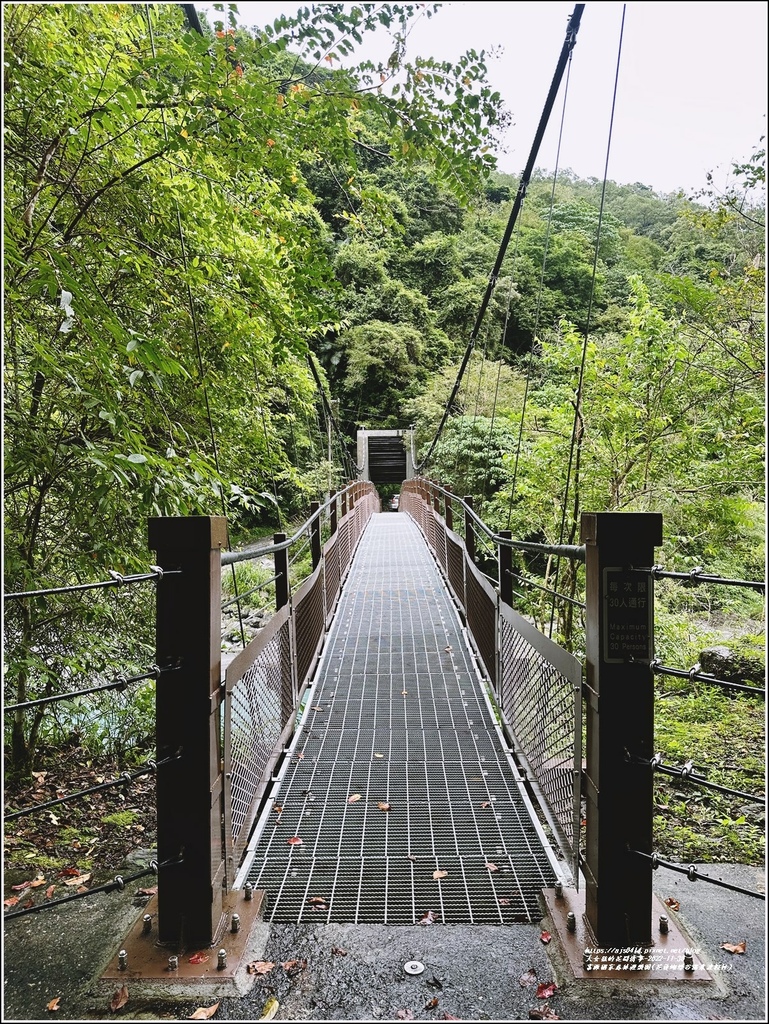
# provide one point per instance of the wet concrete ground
(474, 972)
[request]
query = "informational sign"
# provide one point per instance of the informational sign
(627, 621)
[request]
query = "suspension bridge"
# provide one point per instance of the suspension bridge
(399, 745)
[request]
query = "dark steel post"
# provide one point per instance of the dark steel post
(281, 572)
(332, 516)
(315, 535)
(190, 803)
(619, 693)
(344, 504)
(449, 510)
(506, 569)
(469, 530)
(437, 500)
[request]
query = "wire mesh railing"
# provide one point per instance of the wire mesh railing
(536, 685)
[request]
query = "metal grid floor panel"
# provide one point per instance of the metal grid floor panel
(397, 721)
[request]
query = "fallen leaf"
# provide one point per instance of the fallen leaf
(435, 983)
(37, 881)
(152, 891)
(317, 899)
(545, 937)
(378, 755)
(11, 902)
(119, 999)
(485, 804)
(277, 809)
(448, 648)
(412, 857)
(404, 693)
(338, 951)
(271, 1007)
(260, 967)
(39, 777)
(491, 867)
(80, 880)
(529, 978)
(503, 901)
(71, 872)
(544, 1014)
(432, 1003)
(734, 947)
(384, 806)
(316, 708)
(49, 891)
(353, 799)
(546, 990)
(204, 1012)
(54, 1003)
(199, 958)
(294, 841)
(440, 874)
(427, 918)
(21, 887)
(292, 966)
(673, 904)
(404, 1015)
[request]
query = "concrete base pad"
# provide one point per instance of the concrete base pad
(147, 961)
(662, 961)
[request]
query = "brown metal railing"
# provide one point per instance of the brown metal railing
(231, 731)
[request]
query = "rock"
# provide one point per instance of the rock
(736, 664)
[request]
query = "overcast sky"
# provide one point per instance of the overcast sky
(691, 94)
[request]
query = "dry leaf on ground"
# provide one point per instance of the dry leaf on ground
(199, 958)
(735, 947)
(545, 937)
(338, 951)
(353, 799)
(673, 904)
(120, 998)
(384, 806)
(427, 918)
(528, 978)
(260, 967)
(491, 867)
(204, 1012)
(54, 1004)
(546, 990)
(440, 874)
(271, 1007)
(294, 841)
(544, 1014)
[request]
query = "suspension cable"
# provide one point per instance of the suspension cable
(575, 447)
(540, 294)
(697, 576)
(687, 773)
(568, 45)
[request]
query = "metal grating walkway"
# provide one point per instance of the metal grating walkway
(398, 716)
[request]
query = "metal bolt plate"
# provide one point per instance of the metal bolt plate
(413, 967)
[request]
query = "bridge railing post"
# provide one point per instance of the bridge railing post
(332, 517)
(469, 529)
(620, 739)
(505, 559)
(190, 789)
(449, 511)
(288, 688)
(315, 535)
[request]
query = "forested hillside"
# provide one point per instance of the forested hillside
(190, 218)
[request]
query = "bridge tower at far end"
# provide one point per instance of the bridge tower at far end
(385, 456)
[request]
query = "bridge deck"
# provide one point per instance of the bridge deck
(398, 716)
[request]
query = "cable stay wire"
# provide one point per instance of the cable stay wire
(694, 875)
(116, 580)
(124, 780)
(575, 447)
(349, 462)
(118, 884)
(568, 46)
(118, 684)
